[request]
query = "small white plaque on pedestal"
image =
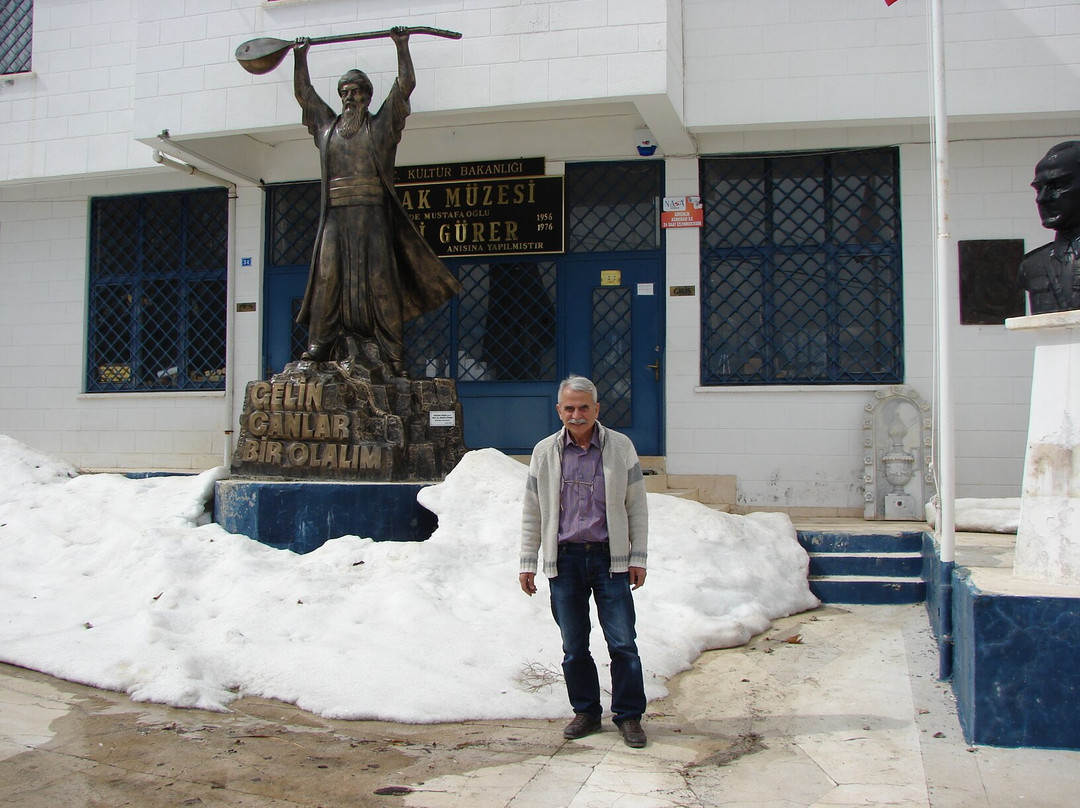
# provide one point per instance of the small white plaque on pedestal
(441, 418)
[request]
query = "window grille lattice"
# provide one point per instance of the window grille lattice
(801, 269)
(427, 343)
(611, 328)
(293, 221)
(297, 332)
(157, 292)
(506, 321)
(16, 35)
(613, 207)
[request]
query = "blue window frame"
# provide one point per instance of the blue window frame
(801, 269)
(613, 207)
(157, 292)
(16, 35)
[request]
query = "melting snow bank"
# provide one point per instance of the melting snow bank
(127, 585)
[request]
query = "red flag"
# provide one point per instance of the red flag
(889, 2)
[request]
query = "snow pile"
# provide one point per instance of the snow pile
(980, 515)
(127, 585)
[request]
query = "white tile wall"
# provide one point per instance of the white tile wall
(783, 61)
(757, 74)
(555, 39)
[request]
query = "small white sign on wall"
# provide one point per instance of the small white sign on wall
(441, 418)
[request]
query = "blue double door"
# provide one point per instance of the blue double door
(608, 326)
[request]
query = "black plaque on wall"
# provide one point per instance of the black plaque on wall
(989, 289)
(475, 209)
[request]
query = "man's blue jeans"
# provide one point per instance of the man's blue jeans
(584, 572)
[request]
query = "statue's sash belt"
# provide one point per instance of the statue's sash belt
(345, 191)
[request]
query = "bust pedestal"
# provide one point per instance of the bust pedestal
(1048, 538)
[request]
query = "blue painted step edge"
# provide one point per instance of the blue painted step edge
(818, 541)
(868, 592)
(897, 566)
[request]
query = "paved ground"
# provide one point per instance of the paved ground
(835, 707)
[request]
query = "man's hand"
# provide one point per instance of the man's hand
(400, 34)
(301, 45)
(637, 577)
(528, 582)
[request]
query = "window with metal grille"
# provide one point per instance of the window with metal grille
(157, 292)
(801, 269)
(292, 223)
(16, 32)
(506, 321)
(613, 207)
(500, 327)
(610, 355)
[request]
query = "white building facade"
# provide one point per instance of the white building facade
(124, 346)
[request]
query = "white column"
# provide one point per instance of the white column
(1048, 540)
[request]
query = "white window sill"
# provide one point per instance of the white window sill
(11, 78)
(149, 395)
(794, 388)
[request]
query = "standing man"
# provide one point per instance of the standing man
(371, 271)
(1051, 273)
(585, 506)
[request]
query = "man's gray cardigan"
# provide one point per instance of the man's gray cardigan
(627, 511)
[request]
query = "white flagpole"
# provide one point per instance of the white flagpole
(946, 450)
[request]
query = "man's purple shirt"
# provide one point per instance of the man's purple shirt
(582, 508)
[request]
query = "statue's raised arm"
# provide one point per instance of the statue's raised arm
(406, 75)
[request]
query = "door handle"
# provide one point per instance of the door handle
(655, 368)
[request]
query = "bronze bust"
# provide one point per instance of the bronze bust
(1051, 273)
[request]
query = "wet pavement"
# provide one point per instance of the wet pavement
(839, 706)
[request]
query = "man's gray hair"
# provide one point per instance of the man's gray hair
(579, 383)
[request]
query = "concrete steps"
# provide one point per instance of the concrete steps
(865, 568)
(657, 482)
(715, 490)
(718, 491)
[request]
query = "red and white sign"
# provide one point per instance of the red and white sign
(682, 211)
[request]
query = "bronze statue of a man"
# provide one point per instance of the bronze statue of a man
(371, 271)
(1051, 273)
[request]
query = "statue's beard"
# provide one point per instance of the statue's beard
(352, 118)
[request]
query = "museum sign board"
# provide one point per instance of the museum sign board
(504, 207)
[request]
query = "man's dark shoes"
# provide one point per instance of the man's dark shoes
(632, 733)
(582, 725)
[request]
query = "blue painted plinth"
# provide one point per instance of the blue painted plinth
(1016, 666)
(938, 576)
(302, 516)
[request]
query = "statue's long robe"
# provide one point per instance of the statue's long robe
(371, 270)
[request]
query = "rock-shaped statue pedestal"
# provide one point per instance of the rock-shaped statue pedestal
(1048, 538)
(348, 421)
(329, 449)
